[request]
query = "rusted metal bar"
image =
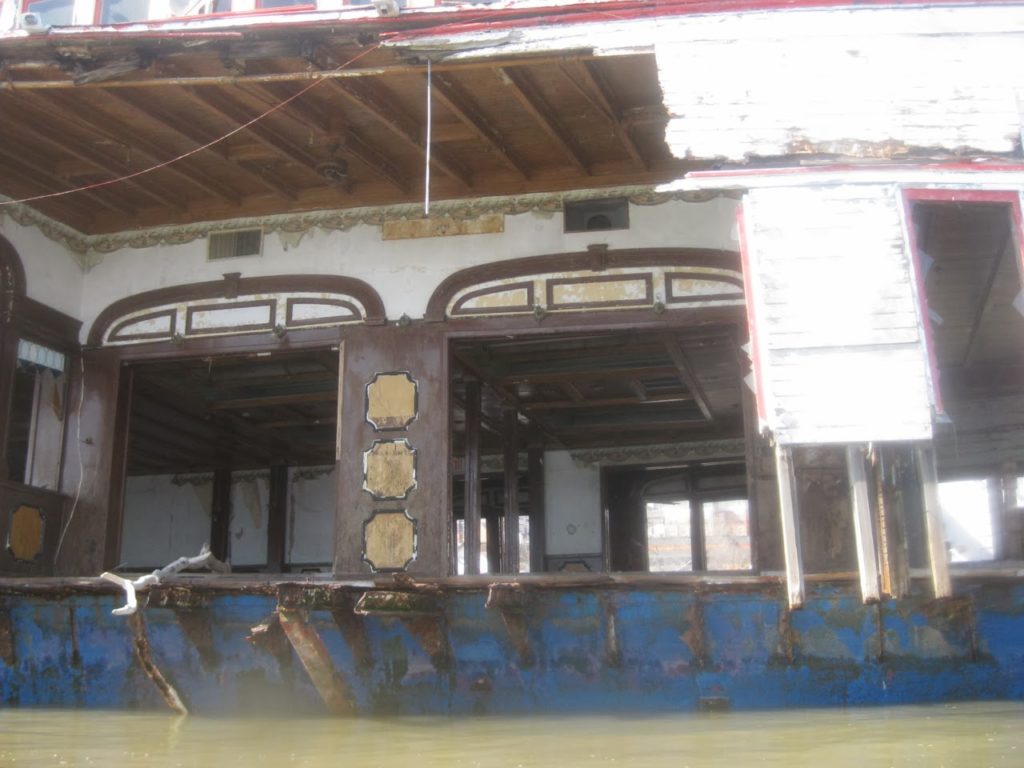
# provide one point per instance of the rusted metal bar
(145, 657)
(790, 526)
(929, 476)
(313, 654)
(512, 604)
(864, 535)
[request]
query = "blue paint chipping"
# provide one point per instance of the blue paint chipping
(577, 650)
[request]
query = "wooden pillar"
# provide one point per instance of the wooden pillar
(935, 530)
(535, 469)
(493, 540)
(96, 440)
(888, 473)
(698, 552)
(403, 372)
(471, 510)
(510, 548)
(864, 535)
(1011, 542)
(790, 526)
(220, 517)
(8, 366)
(277, 519)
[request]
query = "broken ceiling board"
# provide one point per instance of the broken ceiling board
(442, 226)
(841, 352)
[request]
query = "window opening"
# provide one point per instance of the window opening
(969, 267)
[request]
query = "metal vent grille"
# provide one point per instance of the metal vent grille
(596, 215)
(238, 242)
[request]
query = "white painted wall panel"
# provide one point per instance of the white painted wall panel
(250, 508)
(859, 82)
(839, 338)
(52, 275)
(312, 497)
(404, 272)
(165, 517)
(572, 505)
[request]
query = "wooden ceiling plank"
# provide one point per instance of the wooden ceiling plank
(459, 102)
(638, 389)
(555, 405)
(97, 120)
(352, 143)
(46, 182)
(595, 89)
(186, 131)
(687, 375)
(530, 97)
(240, 403)
(572, 391)
(41, 128)
(985, 300)
(236, 115)
(400, 125)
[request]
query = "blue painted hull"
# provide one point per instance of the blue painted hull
(578, 649)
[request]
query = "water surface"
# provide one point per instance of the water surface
(942, 736)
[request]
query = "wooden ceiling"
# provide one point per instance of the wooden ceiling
(79, 111)
(242, 412)
(606, 390)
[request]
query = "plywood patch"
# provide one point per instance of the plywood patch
(25, 535)
(443, 226)
(389, 469)
(391, 401)
(389, 540)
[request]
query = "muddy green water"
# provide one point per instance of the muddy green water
(974, 735)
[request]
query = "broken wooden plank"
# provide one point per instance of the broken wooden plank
(312, 652)
(860, 505)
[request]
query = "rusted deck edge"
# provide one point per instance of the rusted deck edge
(60, 587)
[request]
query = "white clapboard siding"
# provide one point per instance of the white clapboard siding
(782, 83)
(838, 330)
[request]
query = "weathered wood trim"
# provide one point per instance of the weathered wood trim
(860, 505)
(790, 522)
(246, 286)
(929, 476)
(596, 259)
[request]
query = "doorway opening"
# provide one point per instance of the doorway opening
(573, 431)
(237, 451)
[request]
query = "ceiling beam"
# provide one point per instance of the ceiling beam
(458, 102)
(350, 142)
(237, 115)
(585, 77)
(43, 128)
(186, 130)
(242, 403)
(527, 93)
(597, 402)
(687, 375)
(401, 125)
(152, 153)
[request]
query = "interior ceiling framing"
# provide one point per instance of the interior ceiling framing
(605, 390)
(971, 287)
(117, 106)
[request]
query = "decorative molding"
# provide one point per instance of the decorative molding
(392, 401)
(88, 249)
(651, 454)
(389, 540)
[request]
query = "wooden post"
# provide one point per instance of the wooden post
(510, 550)
(888, 468)
(471, 510)
(790, 526)
(277, 519)
(220, 517)
(535, 468)
(860, 505)
(1011, 547)
(936, 532)
(493, 540)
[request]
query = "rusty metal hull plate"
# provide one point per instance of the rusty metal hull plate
(573, 650)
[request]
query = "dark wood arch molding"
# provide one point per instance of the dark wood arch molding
(12, 279)
(595, 258)
(237, 288)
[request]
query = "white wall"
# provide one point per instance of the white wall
(52, 275)
(312, 497)
(165, 517)
(250, 509)
(404, 272)
(862, 82)
(572, 506)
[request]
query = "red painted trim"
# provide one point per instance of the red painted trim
(748, 295)
(911, 196)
